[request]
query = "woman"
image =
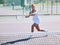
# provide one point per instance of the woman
(35, 19)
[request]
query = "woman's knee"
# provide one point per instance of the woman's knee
(32, 25)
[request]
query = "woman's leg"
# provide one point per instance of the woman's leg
(32, 28)
(37, 27)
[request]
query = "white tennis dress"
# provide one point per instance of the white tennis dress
(36, 18)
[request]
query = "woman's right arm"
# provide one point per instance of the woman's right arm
(28, 15)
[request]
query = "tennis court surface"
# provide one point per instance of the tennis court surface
(53, 38)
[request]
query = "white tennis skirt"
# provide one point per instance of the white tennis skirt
(36, 21)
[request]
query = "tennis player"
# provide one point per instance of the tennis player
(36, 19)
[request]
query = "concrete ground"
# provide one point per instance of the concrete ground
(12, 25)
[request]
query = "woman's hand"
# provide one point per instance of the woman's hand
(26, 16)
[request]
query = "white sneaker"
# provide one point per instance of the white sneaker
(30, 36)
(46, 30)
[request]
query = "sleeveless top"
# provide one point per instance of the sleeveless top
(35, 17)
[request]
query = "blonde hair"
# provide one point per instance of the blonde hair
(33, 5)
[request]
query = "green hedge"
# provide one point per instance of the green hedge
(16, 2)
(1, 1)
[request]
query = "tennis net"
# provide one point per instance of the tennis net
(52, 38)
